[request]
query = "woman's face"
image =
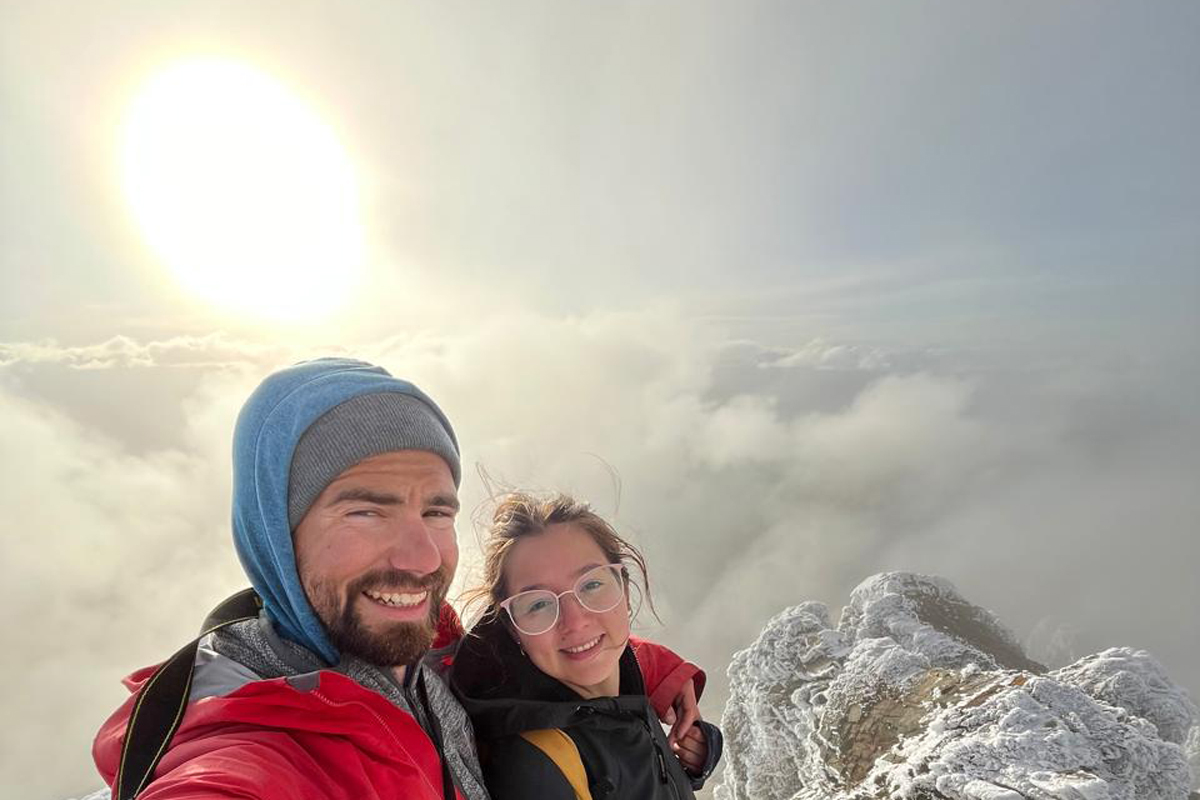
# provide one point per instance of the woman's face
(583, 648)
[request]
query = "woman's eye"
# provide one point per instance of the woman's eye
(592, 585)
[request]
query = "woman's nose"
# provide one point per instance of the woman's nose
(570, 612)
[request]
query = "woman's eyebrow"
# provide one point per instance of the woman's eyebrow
(577, 573)
(587, 568)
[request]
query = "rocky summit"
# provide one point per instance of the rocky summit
(917, 694)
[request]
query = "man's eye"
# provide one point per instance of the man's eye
(364, 512)
(438, 512)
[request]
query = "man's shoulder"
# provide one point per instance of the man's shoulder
(291, 736)
(255, 644)
(215, 674)
(245, 735)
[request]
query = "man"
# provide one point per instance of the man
(344, 502)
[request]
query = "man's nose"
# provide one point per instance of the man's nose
(413, 548)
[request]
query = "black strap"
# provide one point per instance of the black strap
(161, 702)
(435, 729)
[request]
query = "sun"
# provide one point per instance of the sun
(242, 190)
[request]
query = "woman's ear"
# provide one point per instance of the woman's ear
(516, 638)
(512, 631)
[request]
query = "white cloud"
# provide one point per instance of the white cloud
(214, 349)
(109, 558)
(743, 500)
(822, 354)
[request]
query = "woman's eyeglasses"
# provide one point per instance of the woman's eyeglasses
(597, 590)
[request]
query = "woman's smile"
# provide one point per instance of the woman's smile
(584, 651)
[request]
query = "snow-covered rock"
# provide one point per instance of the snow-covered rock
(917, 694)
(1133, 680)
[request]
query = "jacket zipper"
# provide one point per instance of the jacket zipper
(663, 775)
(662, 764)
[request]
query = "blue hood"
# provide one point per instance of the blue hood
(268, 428)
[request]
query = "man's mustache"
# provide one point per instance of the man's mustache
(397, 580)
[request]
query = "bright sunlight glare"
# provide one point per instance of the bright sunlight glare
(242, 190)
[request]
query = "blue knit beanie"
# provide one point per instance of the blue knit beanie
(299, 430)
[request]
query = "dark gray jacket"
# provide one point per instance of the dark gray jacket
(620, 740)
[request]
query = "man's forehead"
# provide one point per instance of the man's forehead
(401, 459)
(402, 467)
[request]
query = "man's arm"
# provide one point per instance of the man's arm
(239, 769)
(665, 674)
(673, 685)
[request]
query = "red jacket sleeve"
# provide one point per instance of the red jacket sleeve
(449, 628)
(664, 673)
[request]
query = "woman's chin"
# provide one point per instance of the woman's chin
(594, 677)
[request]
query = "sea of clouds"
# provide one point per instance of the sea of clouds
(1061, 495)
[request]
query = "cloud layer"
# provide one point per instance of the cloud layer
(750, 477)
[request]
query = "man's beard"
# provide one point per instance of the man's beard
(387, 644)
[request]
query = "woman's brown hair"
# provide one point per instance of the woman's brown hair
(522, 514)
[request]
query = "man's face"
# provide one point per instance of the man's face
(376, 553)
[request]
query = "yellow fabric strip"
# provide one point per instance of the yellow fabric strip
(561, 749)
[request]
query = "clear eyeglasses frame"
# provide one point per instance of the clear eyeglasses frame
(536, 611)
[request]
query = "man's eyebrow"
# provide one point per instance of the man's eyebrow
(447, 500)
(577, 573)
(353, 494)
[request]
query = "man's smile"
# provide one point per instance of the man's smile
(398, 599)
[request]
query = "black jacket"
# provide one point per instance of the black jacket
(620, 740)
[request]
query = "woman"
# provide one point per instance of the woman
(553, 653)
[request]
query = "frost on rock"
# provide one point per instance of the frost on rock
(1133, 680)
(919, 695)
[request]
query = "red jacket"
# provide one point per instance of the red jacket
(269, 739)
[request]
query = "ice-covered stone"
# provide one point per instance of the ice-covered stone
(1133, 680)
(918, 694)
(927, 615)
(794, 660)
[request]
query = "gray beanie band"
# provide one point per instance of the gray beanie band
(359, 428)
